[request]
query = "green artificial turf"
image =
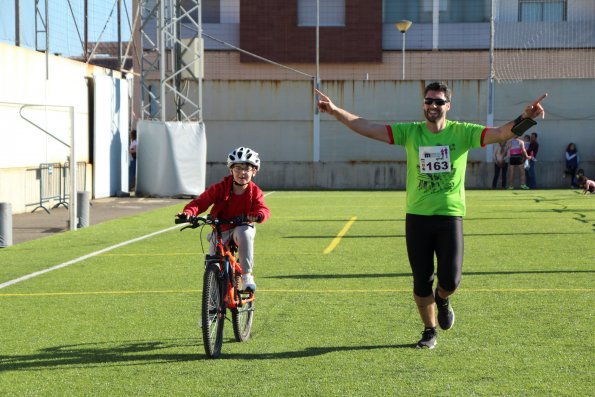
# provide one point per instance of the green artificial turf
(125, 321)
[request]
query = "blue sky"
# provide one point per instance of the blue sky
(65, 38)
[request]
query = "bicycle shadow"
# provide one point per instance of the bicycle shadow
(100, 354)
(88, 355)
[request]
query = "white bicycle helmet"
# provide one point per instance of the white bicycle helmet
(243, 155)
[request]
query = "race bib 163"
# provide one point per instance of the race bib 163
(433, 159)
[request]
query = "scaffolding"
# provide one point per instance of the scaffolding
(174, 52)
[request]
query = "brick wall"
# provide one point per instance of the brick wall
(270, 29)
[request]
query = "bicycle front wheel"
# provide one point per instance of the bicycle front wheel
(213, 315)
(242, 321)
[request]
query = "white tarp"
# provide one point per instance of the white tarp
(110, 148)
(171, 158)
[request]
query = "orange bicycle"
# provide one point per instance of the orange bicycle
(221, 288)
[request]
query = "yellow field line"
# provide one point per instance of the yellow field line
(292, 291)
(337, 239)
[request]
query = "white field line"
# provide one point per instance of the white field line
(85, 257)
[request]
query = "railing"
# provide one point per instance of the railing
(54, 184)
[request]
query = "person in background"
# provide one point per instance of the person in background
(500, 157)
(132, 163)
(586, 184)
(516, 160)
(532, 150)
(572, 162)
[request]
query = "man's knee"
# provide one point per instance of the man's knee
(423, 288)
(449, 286)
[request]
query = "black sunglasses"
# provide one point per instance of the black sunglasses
(437, 101)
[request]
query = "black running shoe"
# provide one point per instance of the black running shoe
(446, 316)
(428, 339)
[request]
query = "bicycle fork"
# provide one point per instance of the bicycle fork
(219, 263)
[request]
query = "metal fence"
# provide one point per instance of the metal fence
(53, 180)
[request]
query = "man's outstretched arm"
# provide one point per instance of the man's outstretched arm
(358, 124)
(506, 131)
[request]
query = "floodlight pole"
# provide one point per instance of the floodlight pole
(491, 87)
(73, 193)
(403, 51)
(316, 126)
(403, 26)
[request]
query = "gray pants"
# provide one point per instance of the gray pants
(244, 239)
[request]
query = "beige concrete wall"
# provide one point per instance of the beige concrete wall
(275, 118)
(370, 175)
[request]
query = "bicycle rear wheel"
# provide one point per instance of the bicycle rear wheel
(213, 315)
(242, 321)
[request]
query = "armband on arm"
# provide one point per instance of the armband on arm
(521, 125)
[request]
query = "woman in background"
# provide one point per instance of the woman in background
(572, 161)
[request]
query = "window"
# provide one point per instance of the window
(396, 10)
(332, 12)
(210, 10)
(428, 5)
(461, 11)
(450, 11)
(542, 10)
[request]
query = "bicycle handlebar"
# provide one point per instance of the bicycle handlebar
(197, 221)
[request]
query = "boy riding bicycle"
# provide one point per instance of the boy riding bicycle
(235, 195)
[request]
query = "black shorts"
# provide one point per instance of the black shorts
(431, 235)
(516, 160)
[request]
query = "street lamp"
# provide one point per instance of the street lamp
(403, 26)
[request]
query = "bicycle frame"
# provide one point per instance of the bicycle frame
(222, 274)
(225, 259)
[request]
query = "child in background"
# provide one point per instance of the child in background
(236, 195)
(586, 184)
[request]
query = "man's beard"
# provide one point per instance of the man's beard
(433, 119)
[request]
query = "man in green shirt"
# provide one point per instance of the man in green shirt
(436, 161)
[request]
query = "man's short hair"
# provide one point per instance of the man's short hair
(439, 86)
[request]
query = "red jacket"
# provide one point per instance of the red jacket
(227, 205)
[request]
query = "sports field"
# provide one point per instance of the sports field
(334, 311)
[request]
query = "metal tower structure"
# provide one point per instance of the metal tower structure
(172, 54)
(41, 26)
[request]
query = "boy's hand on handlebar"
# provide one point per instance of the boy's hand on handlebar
(253, 218)
(181, 217)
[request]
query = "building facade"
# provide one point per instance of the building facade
(262, 60)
